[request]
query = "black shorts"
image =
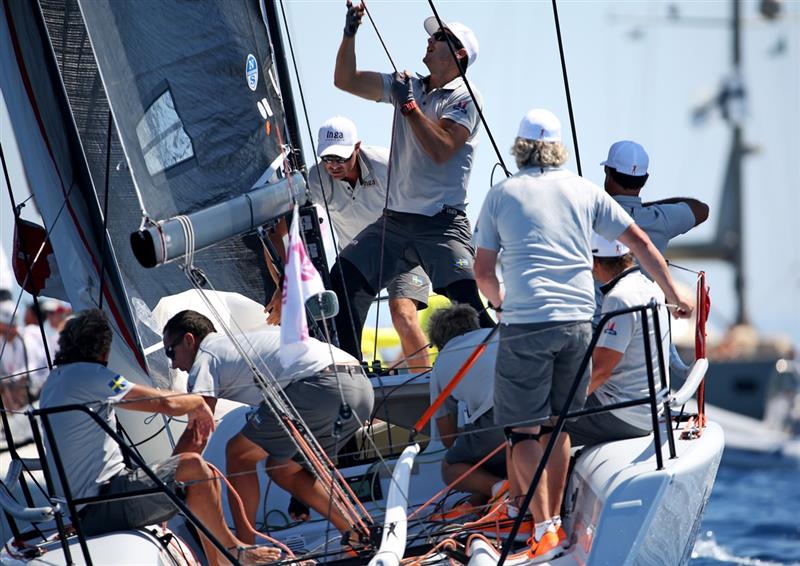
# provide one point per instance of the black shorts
(441, 244)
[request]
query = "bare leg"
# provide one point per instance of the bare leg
(204, 499)
(242, 457)
(479, 482)
(515, 490)
(557, 467)
(292, 477)
(527, 456)
(412, 339)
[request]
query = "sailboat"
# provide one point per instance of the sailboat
(158, 140)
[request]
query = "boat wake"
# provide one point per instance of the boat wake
(707, 547)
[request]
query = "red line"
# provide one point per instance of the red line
(29, 90)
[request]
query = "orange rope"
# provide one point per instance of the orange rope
(470, 361)
(416, 560)
(457, 480)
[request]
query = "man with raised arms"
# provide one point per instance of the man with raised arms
(435, 134)
(542, 220)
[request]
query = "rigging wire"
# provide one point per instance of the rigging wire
(104, 251)
(380, 38)
(566, 87)
(471, 92)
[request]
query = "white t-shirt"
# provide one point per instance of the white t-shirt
(541, 220)
(474, 394)
(352, 208)
(89, 455)
(624, 334)
(418, 184)
(220, 371)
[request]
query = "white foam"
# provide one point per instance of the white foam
(707, 547)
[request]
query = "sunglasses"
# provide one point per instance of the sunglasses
(169, 351)
(443, 35)
(336, 159)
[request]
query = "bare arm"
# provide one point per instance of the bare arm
(151, 400)
(191, 440)
(486, 275)
(604, 360)
(346, 76)
(439, 140)
(699, 208)
(446, 426)
(650, 258)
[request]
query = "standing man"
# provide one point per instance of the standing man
(435, 133)
(542, 219)
(352, 183)
(626, 174)
(93, 462)
(619, 371)
(319, 384)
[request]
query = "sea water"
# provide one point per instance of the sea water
(753, 516)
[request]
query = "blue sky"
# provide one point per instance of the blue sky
(634, 73)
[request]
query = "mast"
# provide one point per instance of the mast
(736, 175)
(296, 158)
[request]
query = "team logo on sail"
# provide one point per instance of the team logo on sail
(251, 70)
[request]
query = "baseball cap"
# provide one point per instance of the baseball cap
(628, 158)
(465, 35)
(540, 124)
(605, 248)
(337, 136)
(7, 314)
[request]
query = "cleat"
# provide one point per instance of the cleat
(545, 549)
(462, 510)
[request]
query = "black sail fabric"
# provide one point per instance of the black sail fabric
(185, 92)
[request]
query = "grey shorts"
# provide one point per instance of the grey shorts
(440, 244)
(600, 427)
(317, 400)
(412, 285)
(478, 439)
(134, 512)
(536, 366)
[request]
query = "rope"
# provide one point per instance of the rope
(380, 38)
(471, 93)
(566, 88)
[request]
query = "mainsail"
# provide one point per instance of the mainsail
(156, 110)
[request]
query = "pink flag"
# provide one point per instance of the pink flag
(300, 281)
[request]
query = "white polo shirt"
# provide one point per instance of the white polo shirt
(418, 185)
(352, 209)
(542, 219)
(220, 371)
(624, 334)
(661, 222)
(475, 392)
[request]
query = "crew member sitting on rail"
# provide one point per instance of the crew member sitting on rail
(93, 462)
(619, 371)
(318, 385)
(456, 332)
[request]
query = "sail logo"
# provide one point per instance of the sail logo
(251, 71)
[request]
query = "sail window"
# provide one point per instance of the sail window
(162, 137)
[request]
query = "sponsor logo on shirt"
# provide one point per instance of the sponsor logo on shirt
(416, 279)
(368, 183)
(118, 384)
(610, 329)
(462, 263)
(461, 106)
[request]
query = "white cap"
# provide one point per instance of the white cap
(465, 35)
(604, 248)
(627, 157)
(7, 314)
(337, 136)
(540, 124)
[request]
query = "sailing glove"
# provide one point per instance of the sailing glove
(402, 89)
(352, 20)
